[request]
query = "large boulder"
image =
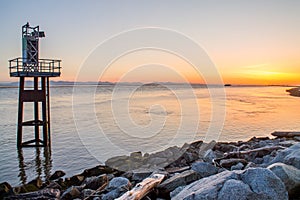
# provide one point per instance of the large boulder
(206, 188)
(72, 193)
(289, 175)
(57, 174)
(204, 169)
(141, 173)
(116, 187)
(253, 183)
(118, 182)
(209, 156)
(235, 190)
(5, 189)
(98, 170)
(95, 182)
(238, 166)
(293, 157)
(228, 163)
(180, 179)
(113, 194)
(264, 183)
(289, 156)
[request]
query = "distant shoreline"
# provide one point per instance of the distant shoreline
(294, 92)
(71, 83)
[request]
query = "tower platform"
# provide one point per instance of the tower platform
(20, 67)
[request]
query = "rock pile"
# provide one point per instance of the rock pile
(261, 168)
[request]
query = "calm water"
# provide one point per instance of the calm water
(93, 123)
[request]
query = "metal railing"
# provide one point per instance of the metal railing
(22, 66)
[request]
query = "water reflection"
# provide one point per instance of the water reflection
(40, 163)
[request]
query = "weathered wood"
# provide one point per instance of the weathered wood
(100, 189)
(285, 134)
(142, 188)
(262, 151)
(227, 163)
(174, 170)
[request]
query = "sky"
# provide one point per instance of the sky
(249, 42)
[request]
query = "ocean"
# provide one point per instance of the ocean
(90, 124)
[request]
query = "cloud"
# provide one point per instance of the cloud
(255, 66)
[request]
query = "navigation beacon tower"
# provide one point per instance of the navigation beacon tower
(40, 70)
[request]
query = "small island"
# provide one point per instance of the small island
(294, 92)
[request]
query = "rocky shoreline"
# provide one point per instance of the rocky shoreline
(260, 168)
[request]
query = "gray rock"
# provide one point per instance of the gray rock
(250, 165)
(137, 154)
(74, 180)
(141, 173)
(54, 185)
(57, 174)
(36, 182)
(264, 183)
(87, 192)
(204, 147)
(206, 188)
(176, 191)
(157, 161)
(51, 194)
(5, 187)
(123, 163)
(238, 166)
(293, 158)
(204, 169)
(289, 156)
(287, 143)
(227, 163)
(177, 180)
(113, 194)
(95, 182)
(253, 183)
(71, 193)
(235, 190)
(267, 159)
(297, 138)
(258, 160)
(289, 175)
(209, 156)
(119, 182)
(98, 170)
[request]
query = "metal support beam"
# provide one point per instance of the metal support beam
(20, 113)
(37, 95)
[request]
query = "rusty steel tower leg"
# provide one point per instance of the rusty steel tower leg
(36, 96)
(48, 110)
(20, 113)
(44, 111)
(36, 113)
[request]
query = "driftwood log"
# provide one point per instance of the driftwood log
(246, 154)
(143, 188)
(260, 151)
(285, 134)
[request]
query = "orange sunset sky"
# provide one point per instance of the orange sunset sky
(250, 42)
